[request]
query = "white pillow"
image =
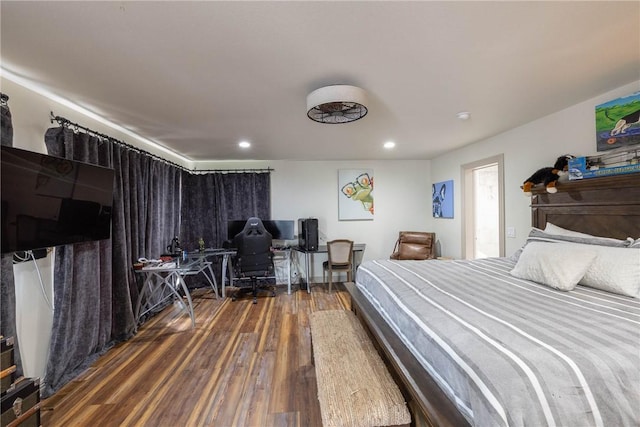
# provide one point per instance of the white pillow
(552, 264)
(614, 270)
(559, 231)
(554, 229)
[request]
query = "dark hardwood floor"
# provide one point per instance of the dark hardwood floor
(242, 365)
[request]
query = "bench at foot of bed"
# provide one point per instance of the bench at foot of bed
(354, 386)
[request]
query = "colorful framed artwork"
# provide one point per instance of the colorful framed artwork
(618, 123)
(355, 194)
(442, 197)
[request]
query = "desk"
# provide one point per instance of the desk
(226, 265)
(163, 281)
(322, 249)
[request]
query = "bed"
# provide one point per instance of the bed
(471, 344)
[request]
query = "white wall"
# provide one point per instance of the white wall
(310, 189)
(34, 314)
(526, 149)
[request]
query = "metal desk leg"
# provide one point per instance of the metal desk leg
(211, 279)
(354, 267)
(141, 296)
(225, 261)
(156, 293)
(152, 293)
(180, 280)
(288, 257)
(307, 261)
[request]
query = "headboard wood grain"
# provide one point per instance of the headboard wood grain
(605, 206)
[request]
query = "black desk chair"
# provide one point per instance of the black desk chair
(254, 259)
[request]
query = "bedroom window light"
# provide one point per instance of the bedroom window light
(483, 212)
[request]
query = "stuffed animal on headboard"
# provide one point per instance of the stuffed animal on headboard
(548, 176)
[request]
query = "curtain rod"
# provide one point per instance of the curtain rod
(66, 122)
(261, 170)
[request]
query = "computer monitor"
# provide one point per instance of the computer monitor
(279, 229)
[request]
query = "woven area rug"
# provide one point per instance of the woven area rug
(354, 386)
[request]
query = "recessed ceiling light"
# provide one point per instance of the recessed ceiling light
(463, 115)
(389, 145)
(244, 144)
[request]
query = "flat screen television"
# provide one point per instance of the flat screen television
(50, 201)
(279, 229)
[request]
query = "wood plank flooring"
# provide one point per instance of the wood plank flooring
(242, 365)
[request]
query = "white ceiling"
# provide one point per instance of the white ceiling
(198, 77)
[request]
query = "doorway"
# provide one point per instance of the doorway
(483, 208)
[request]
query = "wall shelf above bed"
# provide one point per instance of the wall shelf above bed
(622, 181)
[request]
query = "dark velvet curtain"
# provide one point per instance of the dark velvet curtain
(95, 289)
(7, 286)
(209, 200)
(6, 136)
(145, 218)
(82, 280)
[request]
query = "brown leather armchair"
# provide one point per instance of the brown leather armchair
(417, 245)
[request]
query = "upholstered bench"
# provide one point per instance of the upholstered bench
(354, 386)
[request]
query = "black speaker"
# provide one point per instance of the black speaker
(308, 234)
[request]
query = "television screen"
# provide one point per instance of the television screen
(50, 201)
(279, 229)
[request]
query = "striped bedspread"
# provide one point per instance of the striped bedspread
(512, 352)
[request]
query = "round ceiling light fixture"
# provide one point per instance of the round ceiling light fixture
(337, 104)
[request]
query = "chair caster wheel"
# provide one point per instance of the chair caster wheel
(255, 300)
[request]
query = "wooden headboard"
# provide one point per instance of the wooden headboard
(605, 206)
